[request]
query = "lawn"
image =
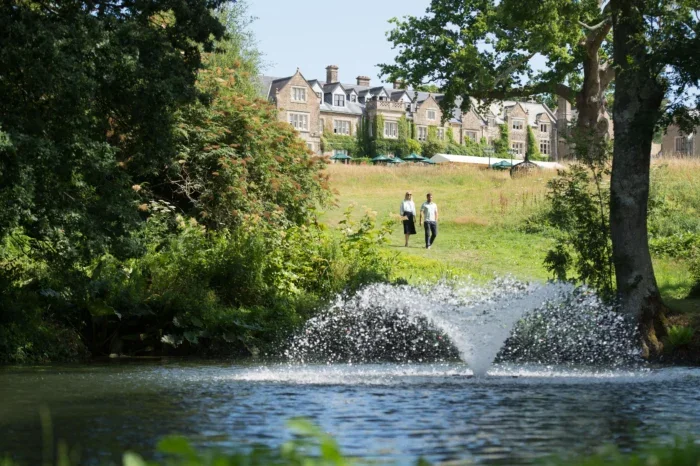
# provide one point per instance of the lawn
(482, 213)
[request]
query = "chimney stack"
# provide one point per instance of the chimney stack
(563, 116)
(363, 81)
(331, 74)
(398, 84)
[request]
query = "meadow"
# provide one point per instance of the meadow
(484, 215)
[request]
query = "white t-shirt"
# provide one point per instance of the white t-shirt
(407, 206)
(429, 211)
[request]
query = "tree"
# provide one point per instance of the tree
(532, 152)
(485, 49)
(89, 93)
(656, 52)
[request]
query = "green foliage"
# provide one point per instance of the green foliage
(340, 142)
(450, 135)
(679, 336)
(191, 224)
(579, 213)
(236, 161)
(692, 254)
(502, 144)
(533, 151)
(413, 147)
(681, 453)
(446, 45)
(77, 142)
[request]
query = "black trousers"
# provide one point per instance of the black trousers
(430, 232)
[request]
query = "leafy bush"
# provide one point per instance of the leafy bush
(681, 453)
(232, 290)
(679, 336)
(578, 210)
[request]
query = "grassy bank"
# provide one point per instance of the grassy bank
(482, 218)
(481, 213)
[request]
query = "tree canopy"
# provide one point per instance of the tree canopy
(487, 49)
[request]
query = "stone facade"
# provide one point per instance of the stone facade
(298, 105)
(677, 143)
(334, 107)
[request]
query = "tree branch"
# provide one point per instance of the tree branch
(523, 59)
(595, 39)
(606, 74)
(561, 90)
(594, 27)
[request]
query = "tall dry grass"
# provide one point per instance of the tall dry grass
(464, 194)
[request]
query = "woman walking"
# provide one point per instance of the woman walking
(408, 210)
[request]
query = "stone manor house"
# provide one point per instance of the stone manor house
(316, 107)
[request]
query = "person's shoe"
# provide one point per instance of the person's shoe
(427, 247)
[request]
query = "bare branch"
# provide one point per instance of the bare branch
(595, 27)
(523, 59)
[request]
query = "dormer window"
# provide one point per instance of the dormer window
(298, 94)
(353, 98)
(544, 127)
(318, 94)
(491, 121)
(339, 100)
(432, 115)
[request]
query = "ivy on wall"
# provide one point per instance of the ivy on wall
(339, 142)
(533, 150)
(502, 144)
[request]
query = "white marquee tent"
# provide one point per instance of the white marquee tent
(449, 158)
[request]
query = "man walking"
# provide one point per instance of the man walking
(429, 210)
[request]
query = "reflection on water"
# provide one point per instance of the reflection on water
(388, 411)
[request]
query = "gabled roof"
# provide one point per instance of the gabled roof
(315, 83)
(278, 84)
(330, 87)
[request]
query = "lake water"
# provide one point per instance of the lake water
(392, 412)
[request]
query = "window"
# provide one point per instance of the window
(391, 129)
(422, 133)
(683, 145)
(518, 147)
(341, 127)
(318, 94)
(544, 146)
(321, 124)
(432, 115)
(518, 125)
(310, 145)
(298, 94)
(470, 135)
(353, 98)
(300, 121)
(441, 133)
(339, 100)
(544, 128)
(491, 121)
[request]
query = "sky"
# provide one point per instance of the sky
(313, 34)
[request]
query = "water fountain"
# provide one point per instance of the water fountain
(505, 320)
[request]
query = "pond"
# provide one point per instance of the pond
(393, 412)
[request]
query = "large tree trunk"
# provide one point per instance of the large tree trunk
(638, 96)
